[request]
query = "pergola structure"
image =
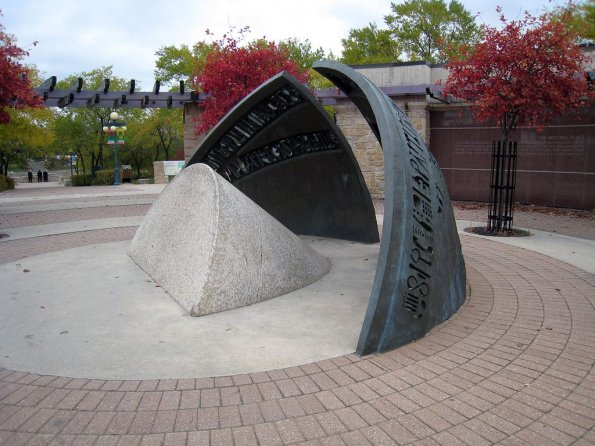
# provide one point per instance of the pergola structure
(76, 97)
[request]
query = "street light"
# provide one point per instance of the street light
(115, 130)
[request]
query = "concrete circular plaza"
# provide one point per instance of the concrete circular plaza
(93, 353)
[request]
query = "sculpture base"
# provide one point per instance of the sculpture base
(213, 249)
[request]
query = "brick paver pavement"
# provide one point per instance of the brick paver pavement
(12, 250)
(36, 218)
(582, 225)
(513, 366)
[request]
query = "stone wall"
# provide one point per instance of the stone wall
(403, 73)
(365, 146)
(158, 173)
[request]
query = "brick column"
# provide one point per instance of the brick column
(191, 141)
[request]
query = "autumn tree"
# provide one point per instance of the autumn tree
(175, 63)
(369, 45)
(423, 29)
(15, 87)
(525, 72)
(232, 71)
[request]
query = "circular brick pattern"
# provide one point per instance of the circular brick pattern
(513, 366)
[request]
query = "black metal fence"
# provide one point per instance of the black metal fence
(502, 184)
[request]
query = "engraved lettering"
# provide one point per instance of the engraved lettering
(280, 150)
(249, 125)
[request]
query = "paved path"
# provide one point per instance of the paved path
(513, 366)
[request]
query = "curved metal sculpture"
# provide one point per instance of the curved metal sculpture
(281, 148)
(420, 278)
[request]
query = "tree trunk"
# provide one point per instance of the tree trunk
(502, 186)
(82, 163)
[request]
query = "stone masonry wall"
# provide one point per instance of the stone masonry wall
(159, 173)
(365, 146)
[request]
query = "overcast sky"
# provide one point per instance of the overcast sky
(77, 35)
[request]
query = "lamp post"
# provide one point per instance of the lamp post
(115, 130)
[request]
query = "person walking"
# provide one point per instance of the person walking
(30, 175)
(45, 176)
(39, 176)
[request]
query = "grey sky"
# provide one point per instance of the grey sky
(78, 35)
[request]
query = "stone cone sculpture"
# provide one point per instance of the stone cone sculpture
(213, 249)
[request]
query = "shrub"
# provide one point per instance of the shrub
(103, 178)
(146, 173)
(6, 183)
(81, 180)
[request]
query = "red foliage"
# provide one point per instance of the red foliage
(15, 88)
(231, 72)
(525, 73)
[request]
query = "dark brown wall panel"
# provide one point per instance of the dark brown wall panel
(556, 166)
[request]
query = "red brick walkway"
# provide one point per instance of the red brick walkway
(513, 366)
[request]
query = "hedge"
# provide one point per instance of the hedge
(102, 178)
(81, 180)
(6, 183)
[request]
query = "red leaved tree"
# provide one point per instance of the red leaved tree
(524, 73)
(231, 71)
(15, 88)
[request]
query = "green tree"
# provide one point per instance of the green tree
(580, 17)
(176, 63)
(92, 120)
(141, 144)
(426, 29)
(301, 52)
(26, 136)
(73, 136)
(168, 128)
(152, 135)
(586, 12)
(303, 55)
(369, 45)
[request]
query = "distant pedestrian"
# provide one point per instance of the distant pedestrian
(45, 176)
(39, 176)
(30, 176)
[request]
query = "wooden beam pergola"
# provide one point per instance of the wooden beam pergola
(76, 97)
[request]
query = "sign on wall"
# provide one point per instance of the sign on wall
(171, 168)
